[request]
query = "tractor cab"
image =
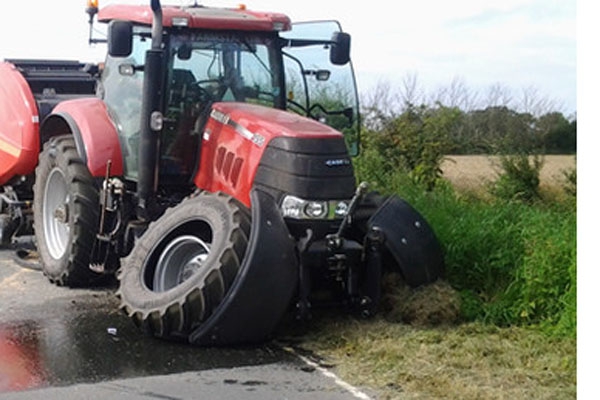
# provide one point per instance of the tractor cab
(211, 56)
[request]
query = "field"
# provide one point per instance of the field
(473, 172)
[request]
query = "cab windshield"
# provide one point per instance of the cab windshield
(206, 68)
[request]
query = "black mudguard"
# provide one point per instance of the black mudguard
(410, 241)
(262, 290)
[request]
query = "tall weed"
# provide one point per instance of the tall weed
(540, 291)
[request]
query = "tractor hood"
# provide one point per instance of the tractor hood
(239, 137)
(261, 124)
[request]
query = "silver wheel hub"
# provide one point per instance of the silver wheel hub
(182, 258)
(61, 214)
(55, 214)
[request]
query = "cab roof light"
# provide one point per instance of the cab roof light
(278, 26)
(180, 21)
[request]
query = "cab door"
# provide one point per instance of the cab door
(317, 84)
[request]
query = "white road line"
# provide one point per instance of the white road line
(327, 373)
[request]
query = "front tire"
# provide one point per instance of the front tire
(65, 207)
(183, 266)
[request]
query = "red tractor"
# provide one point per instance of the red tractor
(207, 163)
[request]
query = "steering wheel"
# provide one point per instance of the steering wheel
(207, 93)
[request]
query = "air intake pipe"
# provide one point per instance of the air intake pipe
(152, 118)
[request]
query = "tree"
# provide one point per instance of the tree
(557, 135)
(498, 95)
(500, 129)
(456, 94)
(532, 102)
(379, 105)
(417, 141)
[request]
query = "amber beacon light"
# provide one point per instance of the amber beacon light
(92, 7)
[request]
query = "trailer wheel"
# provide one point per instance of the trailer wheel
(65, 207)
(183, 266)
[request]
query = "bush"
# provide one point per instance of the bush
(519, 178)
(415, 141)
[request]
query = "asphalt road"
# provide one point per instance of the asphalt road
(59, 343)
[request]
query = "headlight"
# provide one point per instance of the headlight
(292, 207)
(297, 208)
(341, 209)
(316, 209)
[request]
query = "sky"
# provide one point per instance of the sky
(523, 45)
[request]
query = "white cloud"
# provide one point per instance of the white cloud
(515, 42)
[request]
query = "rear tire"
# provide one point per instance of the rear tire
(183, 266)
(65, 207)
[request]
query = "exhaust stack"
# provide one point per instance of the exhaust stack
(157, 24)
(152, 118)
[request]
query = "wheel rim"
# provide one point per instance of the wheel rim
(56, 214)
(183, 257)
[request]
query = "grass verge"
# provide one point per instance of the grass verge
(467, 361)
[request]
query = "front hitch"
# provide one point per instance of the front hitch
(335, 240)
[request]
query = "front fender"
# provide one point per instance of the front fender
(410, 240)
(264, 287)
(94, 132)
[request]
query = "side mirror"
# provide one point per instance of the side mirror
(120, 38)
(340, 48)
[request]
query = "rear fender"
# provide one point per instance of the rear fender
(262, 291)
(94, 132)
(410, 240)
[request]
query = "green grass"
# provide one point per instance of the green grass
(513, 263)
(517, 261)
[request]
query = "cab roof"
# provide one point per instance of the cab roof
(199, 17)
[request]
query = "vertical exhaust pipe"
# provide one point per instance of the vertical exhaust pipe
(152, 118)
(157, 24)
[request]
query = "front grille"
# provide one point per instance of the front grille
(315, 169)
